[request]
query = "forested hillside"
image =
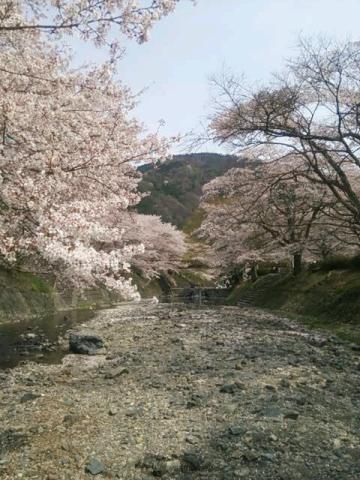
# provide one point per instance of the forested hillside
(175, 185)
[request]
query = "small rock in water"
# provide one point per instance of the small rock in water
(94, 467)
(84, 343)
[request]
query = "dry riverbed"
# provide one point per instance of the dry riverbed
(219, 394)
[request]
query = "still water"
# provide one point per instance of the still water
(36, 338)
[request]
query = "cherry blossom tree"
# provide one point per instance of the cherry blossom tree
(93, 20)
(311, 111)
(68, 154)
(268, 212)
(163, 245)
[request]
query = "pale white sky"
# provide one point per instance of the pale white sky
(246, 36)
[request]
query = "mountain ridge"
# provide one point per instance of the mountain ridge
(174, 187)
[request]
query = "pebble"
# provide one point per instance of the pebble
(271, 411)
(267, 419)
(27, 397)
(193, 461)
(134, 412)
(94, 467)
(231, 388)
(291, 415)
(236, 430)
(116, 372)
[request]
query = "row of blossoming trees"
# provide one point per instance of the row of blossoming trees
(300, 195)
(69, 147)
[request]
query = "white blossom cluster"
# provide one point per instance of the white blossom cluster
(69, 149)
(310, 113)
(270, 212)
(92, 20)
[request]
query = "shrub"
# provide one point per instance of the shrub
(339, 262)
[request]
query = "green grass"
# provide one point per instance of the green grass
(23, 294)
(194, 221)
(346, 331)
(190, 277)
(38, 284)
(328, 300)
(340, 262)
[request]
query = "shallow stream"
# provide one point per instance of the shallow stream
(37, 338)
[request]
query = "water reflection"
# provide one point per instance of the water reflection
(36, 338)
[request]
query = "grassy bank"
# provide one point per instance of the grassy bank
(24, 295)
(323, 299)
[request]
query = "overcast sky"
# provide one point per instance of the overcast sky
(246, 36)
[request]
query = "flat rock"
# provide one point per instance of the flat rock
(27, 397)
(192, 461)
(85, 343)
(230, 388)
(271, 411)
(236, 430)
(94, 467)
(116, 372)
(292, 415)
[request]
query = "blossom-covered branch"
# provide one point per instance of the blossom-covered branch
(312, 111)
(68, 153)
(92, 20)
(270, 212)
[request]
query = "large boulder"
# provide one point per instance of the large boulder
(85, 343)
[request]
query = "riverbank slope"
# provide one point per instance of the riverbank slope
(320, 299)
(24, 295)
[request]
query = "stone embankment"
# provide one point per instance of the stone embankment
(176, 393)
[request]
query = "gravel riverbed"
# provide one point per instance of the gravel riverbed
(179, 393)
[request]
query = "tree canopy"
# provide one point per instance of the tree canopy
(69, 145)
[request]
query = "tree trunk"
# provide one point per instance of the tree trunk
(297, 263)
(253, 273)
